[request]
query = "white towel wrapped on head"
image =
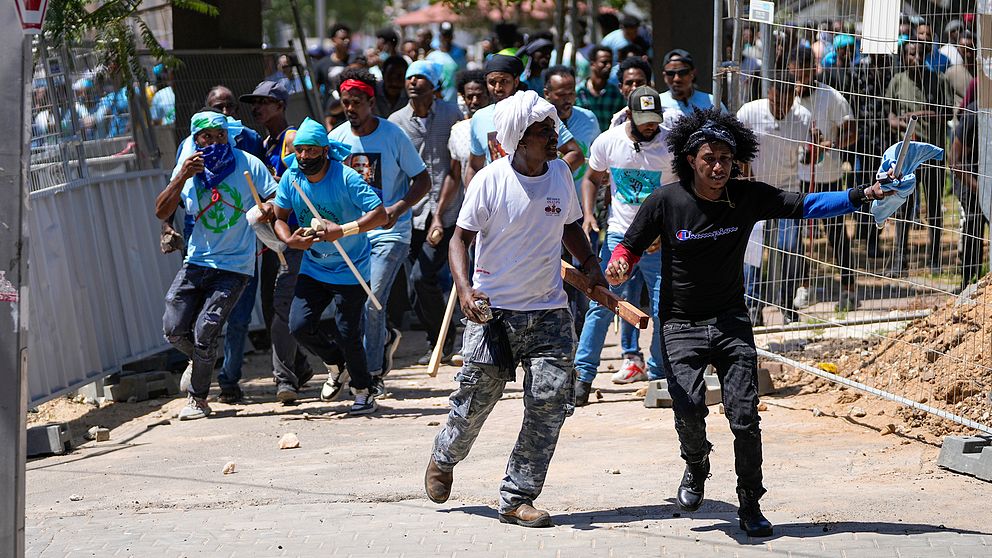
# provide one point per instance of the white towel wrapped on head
(513, 115)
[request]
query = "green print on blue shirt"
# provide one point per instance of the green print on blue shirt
(635, 185)
(220, 216)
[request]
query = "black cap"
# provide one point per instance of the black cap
(266, 90)
(679, 55)
(645, 106)
(630, 21)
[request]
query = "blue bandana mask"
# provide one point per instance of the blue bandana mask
(218, 163)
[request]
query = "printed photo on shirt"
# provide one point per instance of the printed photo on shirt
(495, 149)
(368, 166)
(635, 185)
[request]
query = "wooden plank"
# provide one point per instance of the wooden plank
(627, 311)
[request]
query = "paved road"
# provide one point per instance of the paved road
(354, 487)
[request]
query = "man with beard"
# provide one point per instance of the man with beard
(518, 211)
(633, 157)
(503, 78)
(834, 131)
(349, 209)
(427, 121)
(400, 178)
(920, 92)
(704, 221)
(220, 258)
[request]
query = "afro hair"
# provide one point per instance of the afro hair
(678, 139)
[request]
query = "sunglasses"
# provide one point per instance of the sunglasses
(681, 73)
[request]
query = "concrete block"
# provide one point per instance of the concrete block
(657, 395)
(96, 390)
(765, 383)
(48, 439)
(773, 367)
(145, 385)
(971, 455)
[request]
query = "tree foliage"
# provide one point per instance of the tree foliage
(116, 28)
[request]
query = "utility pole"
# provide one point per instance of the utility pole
(15, 51)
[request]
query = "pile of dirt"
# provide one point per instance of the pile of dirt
(943, 360)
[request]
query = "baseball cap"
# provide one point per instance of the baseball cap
(678, 55)
(266, 90)
(645, 106)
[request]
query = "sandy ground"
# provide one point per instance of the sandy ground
(614, 454)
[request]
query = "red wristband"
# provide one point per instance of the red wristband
(621, 252)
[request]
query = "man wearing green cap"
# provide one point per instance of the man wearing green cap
(220, 255)
(348, 209)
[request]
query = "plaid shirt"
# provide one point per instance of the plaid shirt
(604, 106)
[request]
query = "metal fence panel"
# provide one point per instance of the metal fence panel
(97, 280)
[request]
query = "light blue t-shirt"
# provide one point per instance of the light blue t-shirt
(585, 129)
(340, 197)
(163, 106)
(387, 160)
(222, 238)
(698, 100)
(484, 135)
(448, 70)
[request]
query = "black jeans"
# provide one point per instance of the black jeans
(428, 299)
(727, 343)
(344, 332)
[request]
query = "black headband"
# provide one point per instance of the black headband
(504, 63)
(711, 131)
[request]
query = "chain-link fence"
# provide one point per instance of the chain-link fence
(828, 86)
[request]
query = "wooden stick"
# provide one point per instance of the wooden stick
(442, 335)
(258, 201)
(627, 311)
(344, 255)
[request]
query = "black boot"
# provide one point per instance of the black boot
(582, 390)
(690, 495)
(751, 519)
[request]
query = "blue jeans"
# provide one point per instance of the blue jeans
(387, 259)
(237, 332)
(598, 318)
(196, 307)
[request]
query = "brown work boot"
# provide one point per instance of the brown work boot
(437, 483)
(527, 515)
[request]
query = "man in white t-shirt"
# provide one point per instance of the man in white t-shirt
(833, 130)
(635, 157)
(519, 209)
(782, 127)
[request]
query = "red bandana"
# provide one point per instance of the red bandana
(359, 85)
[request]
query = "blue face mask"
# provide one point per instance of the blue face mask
(218, 163)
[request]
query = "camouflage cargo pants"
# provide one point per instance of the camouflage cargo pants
(543, 343)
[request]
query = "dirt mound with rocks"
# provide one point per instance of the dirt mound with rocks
(943, 360)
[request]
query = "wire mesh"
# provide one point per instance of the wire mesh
(857, 71)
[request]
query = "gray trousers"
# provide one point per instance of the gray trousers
(289, 362)
(543, 343)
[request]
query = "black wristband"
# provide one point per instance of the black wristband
(857, 196)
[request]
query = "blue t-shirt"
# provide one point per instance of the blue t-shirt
(163, 106)
(484, 135)
(585, 130)
(698, 100)
(386, 159)
(341, 197)
(222, 238)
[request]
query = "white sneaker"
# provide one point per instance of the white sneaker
(196, 408)
(364, 403)
(337, 377)
(186, 381)
(631, 371)
(801, 299)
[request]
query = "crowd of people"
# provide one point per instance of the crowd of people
(427, 169)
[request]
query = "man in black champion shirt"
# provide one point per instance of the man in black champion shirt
(704, 221)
